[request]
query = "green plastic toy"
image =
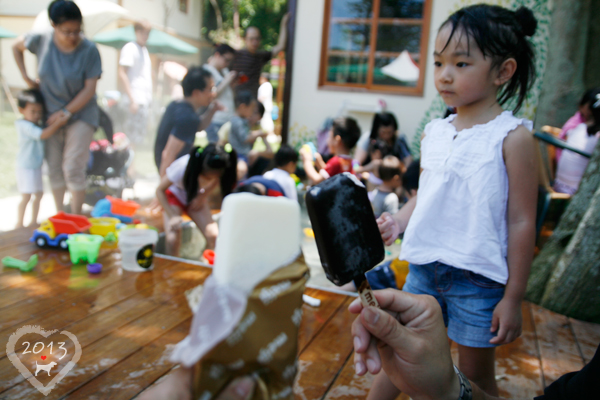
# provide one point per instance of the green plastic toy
(24, 266)
(83, 247)
(110, 237)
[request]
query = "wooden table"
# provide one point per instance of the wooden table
(126, 323)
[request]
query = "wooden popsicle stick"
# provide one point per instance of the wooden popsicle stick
(365, 292)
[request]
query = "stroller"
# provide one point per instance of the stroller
(107, 168)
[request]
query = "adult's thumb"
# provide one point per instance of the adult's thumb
(383, 326)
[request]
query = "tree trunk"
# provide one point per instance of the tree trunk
(564, 73)
(592, 61)
(236, 17)
(218, 14)
(544, 265)
(574, 286)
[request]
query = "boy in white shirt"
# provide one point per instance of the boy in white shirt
(286, 159)
(135, 73)
(31, 151)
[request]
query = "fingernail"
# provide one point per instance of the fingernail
(371, 316)
(359, 368)
(371, 365)
(244, 386)
(357, 342)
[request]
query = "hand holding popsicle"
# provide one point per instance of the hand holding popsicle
(410, 344)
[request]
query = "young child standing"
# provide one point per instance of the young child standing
(384, 197)
(240, 136)
(470, 230)
(31, 151)
(286, 159)
(343, 135)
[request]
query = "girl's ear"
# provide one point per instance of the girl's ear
(506, 71)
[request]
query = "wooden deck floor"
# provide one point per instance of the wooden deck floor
(126, 322)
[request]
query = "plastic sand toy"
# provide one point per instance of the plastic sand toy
(24, 266)
(104, 225)
(110, 237)
(55, 231)
(209, 256)
(84, 247)
(94, 268)
(117, 208)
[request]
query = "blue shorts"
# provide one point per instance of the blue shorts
(467, 299)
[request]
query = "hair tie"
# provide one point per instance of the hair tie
(228, 148)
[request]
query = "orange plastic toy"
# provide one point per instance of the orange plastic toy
(122, 207)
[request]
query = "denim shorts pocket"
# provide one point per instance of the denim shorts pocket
(481, 281)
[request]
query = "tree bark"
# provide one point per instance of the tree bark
(544, 265)
(218, 14)
(592, 61)
(236, 17)
(564, 73)
(574, 286)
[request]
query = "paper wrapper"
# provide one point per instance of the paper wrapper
(263, 343)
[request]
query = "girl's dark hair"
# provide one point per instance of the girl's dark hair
(208, 159)
(594, 102)
(60, 11)
(500, 34)
(589, 97)
(383, 119)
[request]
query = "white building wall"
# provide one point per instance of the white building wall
(311, 105)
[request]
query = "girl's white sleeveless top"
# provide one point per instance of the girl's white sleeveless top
(460, 217)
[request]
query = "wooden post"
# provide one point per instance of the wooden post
(289, 66)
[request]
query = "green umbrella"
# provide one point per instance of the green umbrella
(6, 34)
(158, 41)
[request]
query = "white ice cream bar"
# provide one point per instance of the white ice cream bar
(257, 235)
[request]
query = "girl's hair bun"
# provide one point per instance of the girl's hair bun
(527, 21)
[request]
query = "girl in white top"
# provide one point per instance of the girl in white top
(469, 232)
(571, 165)
(185, 188)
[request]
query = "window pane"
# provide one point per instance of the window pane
(349, 37)
(347, 69)
(352, 9)
(397, 56)
(401, 9)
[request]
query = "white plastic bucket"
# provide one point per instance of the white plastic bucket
(137, 249)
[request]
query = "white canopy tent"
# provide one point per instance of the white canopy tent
(96, 15)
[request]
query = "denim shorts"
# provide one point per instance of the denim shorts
(467, 299)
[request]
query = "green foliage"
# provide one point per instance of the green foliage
(264, 14)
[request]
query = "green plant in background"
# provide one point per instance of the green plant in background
(218, 24)
(542, 11)
(9, 145)
(300, 135)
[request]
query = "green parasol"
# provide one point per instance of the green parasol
(6, 34)
(158, 41)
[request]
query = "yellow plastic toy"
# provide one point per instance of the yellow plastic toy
(103, 225)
